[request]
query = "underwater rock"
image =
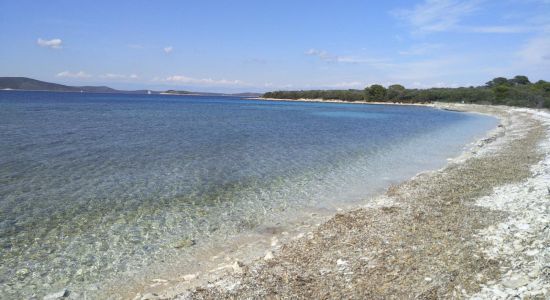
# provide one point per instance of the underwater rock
(58, 295)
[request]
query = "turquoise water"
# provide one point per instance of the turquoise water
(96, 185)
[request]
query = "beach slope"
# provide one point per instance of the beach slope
(476, 228)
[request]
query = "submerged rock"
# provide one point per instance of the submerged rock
(22, 273)
(184, 243)
(58, 295)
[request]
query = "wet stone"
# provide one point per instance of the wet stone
(150, 296)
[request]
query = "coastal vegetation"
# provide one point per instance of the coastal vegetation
(517, 91)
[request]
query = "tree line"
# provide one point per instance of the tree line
(517, 91)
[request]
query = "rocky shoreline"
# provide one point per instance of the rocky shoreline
(479, 228)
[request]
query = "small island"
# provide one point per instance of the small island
(174, 92)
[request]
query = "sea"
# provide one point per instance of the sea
(99, 187)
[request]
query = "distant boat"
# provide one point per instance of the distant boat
(81, 91)
(149, 92)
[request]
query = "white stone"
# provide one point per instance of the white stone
(299, 236)
(516, 282)
(189, 277)
(341, 262)
(532, 252)
(268, 255)
(523, 226)
(237, 267)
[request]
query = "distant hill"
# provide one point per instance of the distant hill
(29, 84)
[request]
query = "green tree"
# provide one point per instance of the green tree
(520, 80)
(498, 81)
(377, 92)
(395, 92)
(501, 92)
(542, 85)
(396, 87)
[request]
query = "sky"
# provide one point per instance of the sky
(237, 46)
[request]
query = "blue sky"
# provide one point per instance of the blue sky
(269, 45)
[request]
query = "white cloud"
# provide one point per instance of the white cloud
(53, 43)
(200, 81)
(168, 49)
(68, 74)
(437, 15)
(448, 15)
(118, 76)
(347, 85)
(321, 54)
(499, 29)
(536, 52)
(325, 56)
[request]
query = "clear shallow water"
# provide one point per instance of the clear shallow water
(96, 185)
